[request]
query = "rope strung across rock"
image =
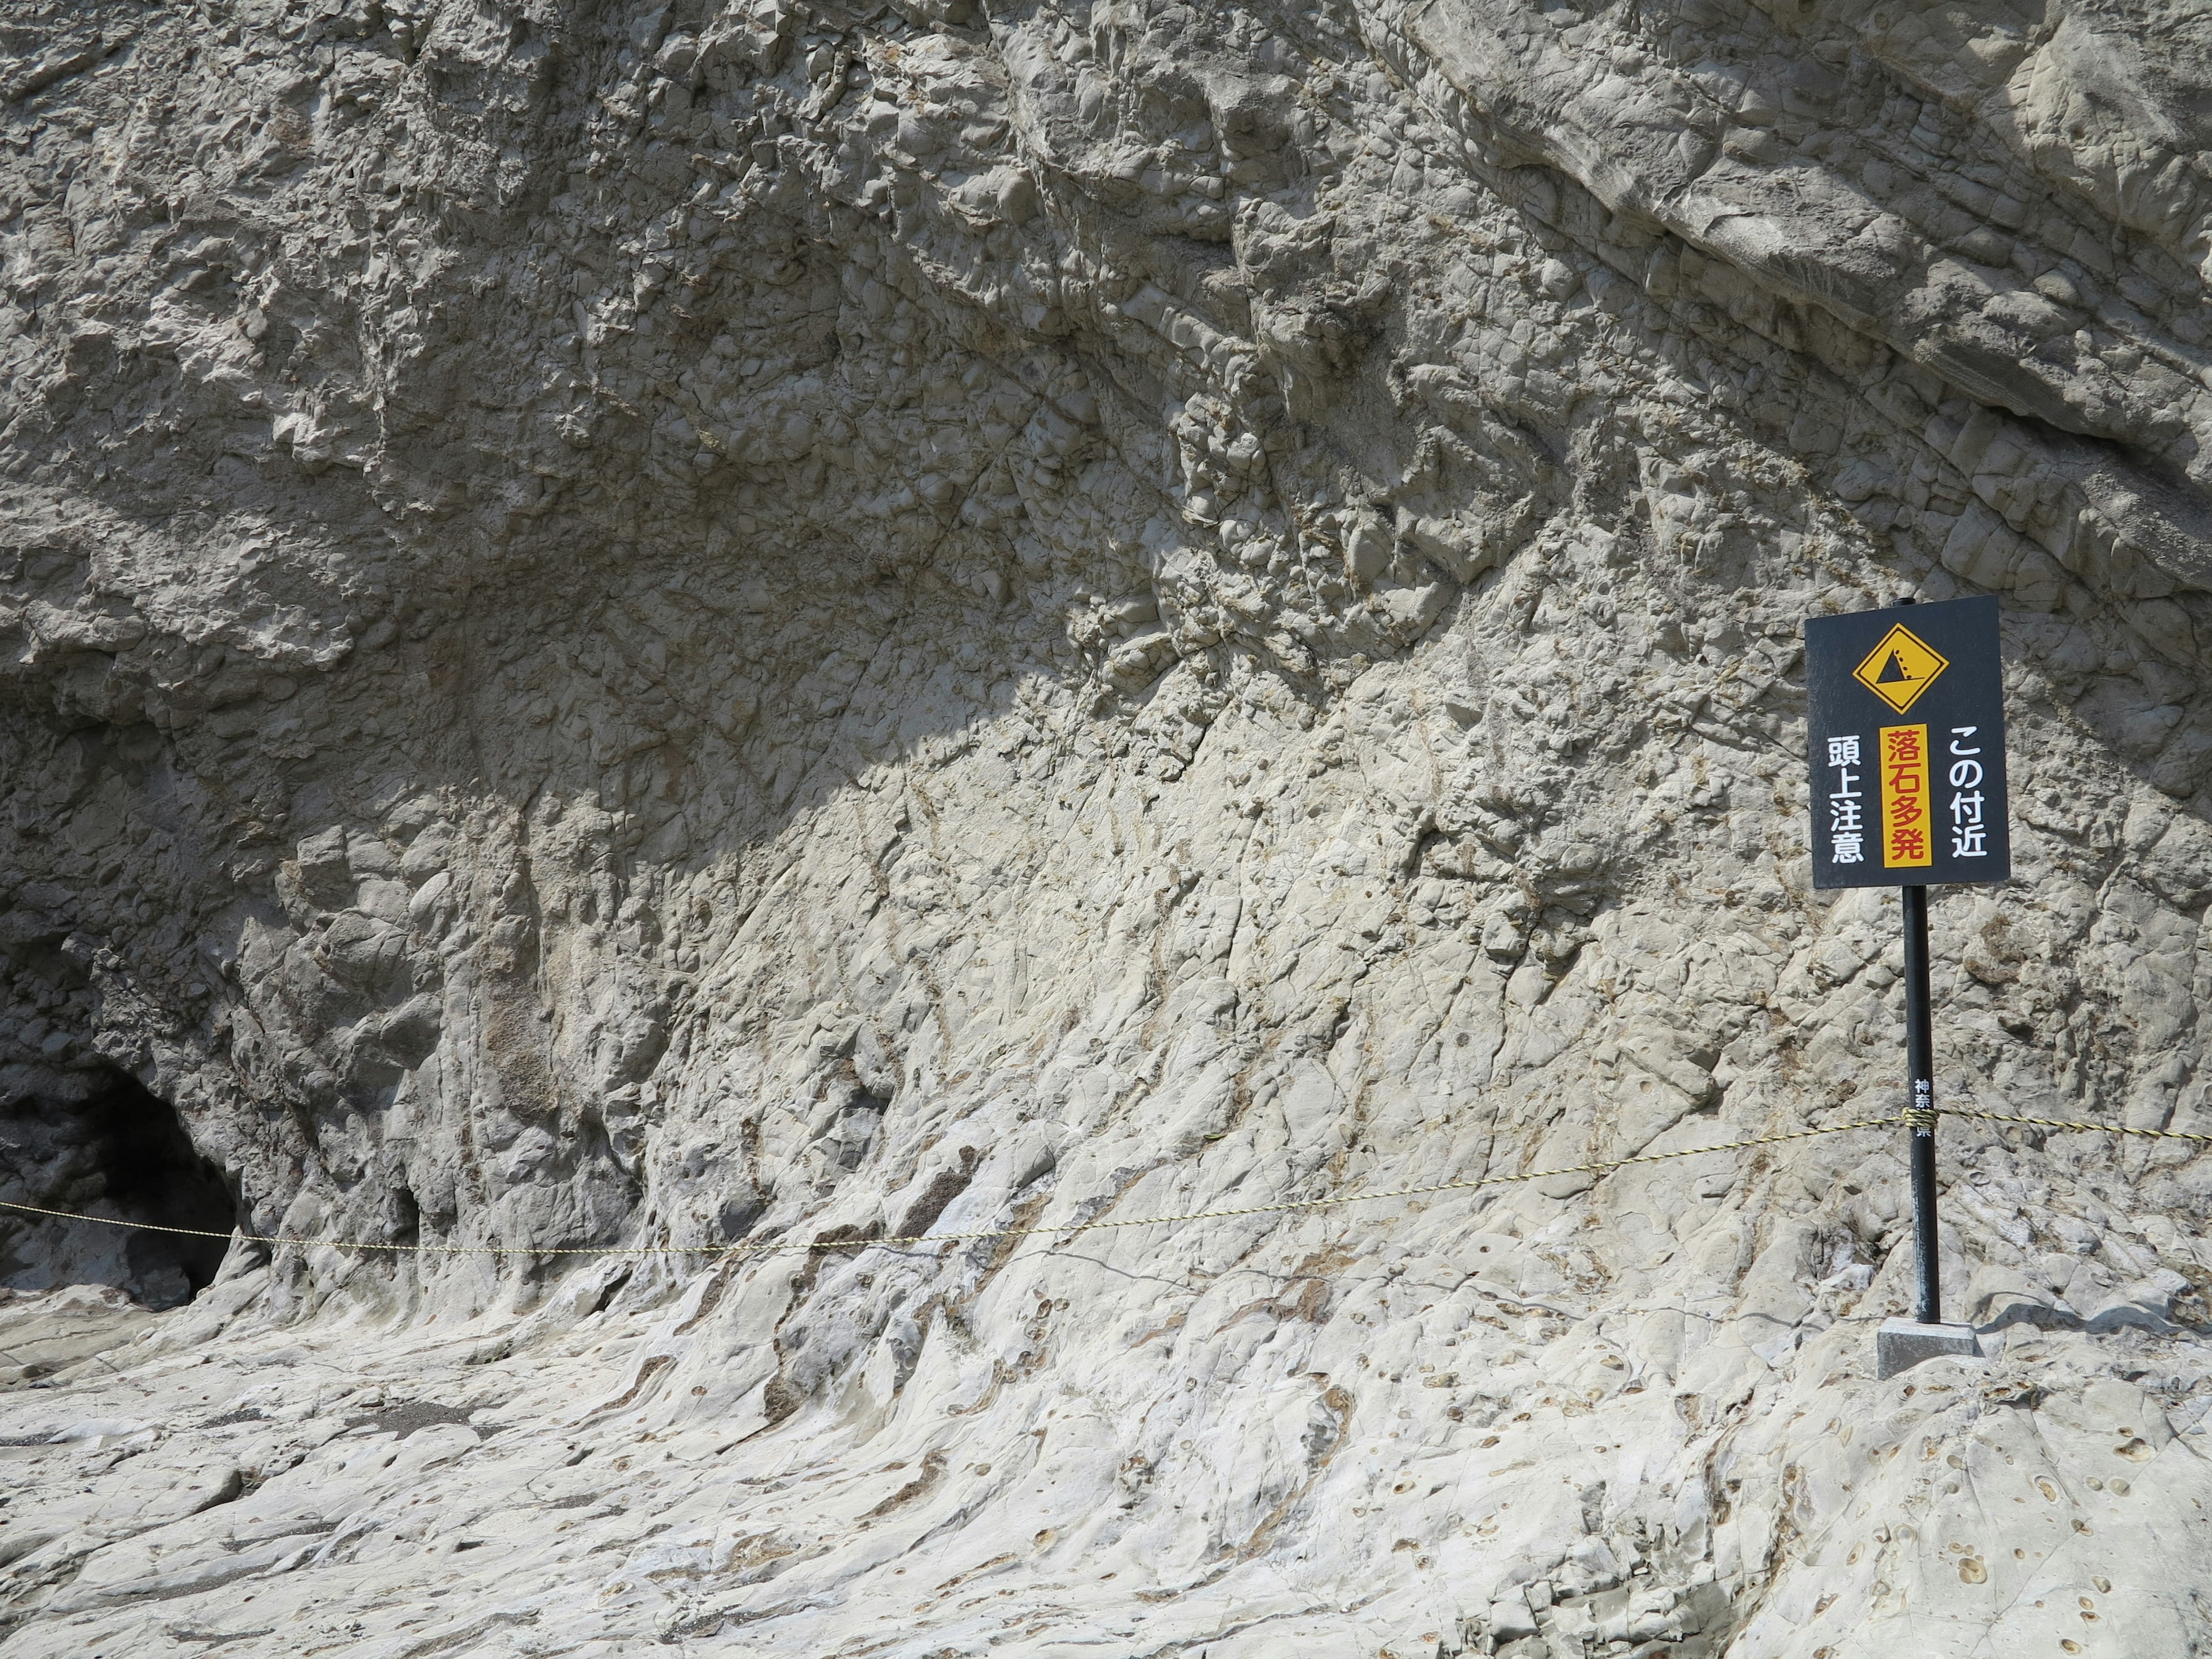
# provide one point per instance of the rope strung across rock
(2093, 1129)
(1068, 1229)
(1063, 1230)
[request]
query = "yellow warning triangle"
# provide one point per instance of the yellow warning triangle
(1900, 668)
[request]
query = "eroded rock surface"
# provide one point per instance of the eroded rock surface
(688, 625)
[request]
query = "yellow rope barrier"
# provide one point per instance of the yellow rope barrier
(1069, 1229)
(1064, 1230)
(2093, 1129)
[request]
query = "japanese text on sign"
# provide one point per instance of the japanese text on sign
(1906, 843)
(1969, 831)
(1846, 822)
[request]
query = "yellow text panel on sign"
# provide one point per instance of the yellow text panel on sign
(1908, 824)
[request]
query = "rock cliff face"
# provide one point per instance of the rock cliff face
(801, 621)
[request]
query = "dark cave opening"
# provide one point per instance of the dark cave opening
(120, 1151)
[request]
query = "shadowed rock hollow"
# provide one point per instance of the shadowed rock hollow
(679, 624)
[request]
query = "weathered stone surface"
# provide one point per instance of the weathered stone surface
(702, 622)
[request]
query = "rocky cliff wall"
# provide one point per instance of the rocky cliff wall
(688, 625)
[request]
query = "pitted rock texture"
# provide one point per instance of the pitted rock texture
(680, 624)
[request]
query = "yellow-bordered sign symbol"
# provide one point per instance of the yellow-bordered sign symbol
(1900, 668)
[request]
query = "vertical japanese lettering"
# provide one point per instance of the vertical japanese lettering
(1907, 829)
(1846, 822)
(1969, 830)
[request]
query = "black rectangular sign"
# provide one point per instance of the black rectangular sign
(1905, 740)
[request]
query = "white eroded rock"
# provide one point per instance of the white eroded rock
(798, 624)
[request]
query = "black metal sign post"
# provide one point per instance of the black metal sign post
(1920, 1079)
(1905, 742)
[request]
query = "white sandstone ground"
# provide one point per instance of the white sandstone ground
(697, 623)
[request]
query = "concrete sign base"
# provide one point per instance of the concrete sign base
(1901, 1344)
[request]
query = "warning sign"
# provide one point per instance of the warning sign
(1900, 668)
(1907, 806)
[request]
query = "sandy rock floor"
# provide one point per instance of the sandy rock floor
(201, 1480)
